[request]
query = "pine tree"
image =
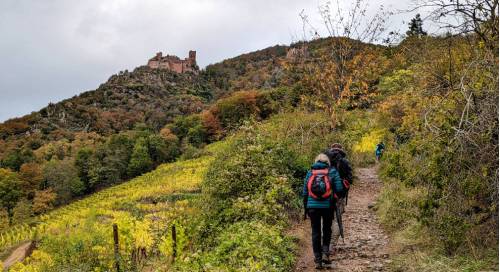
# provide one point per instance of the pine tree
(415, 27)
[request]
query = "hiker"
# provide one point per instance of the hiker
(379, 150)
(338, 159)
(319, 197)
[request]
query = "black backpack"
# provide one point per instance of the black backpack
(318, 185)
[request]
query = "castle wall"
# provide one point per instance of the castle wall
(173, 63)
(153, 64)
(163, 65)
(176, 67)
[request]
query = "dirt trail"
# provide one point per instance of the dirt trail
(18, 255)
(366, 244)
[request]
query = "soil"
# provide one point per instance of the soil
(365, 247)
(19, 254)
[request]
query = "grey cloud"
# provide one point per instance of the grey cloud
(54, 49)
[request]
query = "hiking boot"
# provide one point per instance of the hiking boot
(318, 264)
(326, 258)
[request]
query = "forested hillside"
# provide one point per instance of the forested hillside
(232, 144)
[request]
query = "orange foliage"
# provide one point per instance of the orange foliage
(211, 125)
(32, 176)
(43, 201)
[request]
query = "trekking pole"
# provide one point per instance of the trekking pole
(339, 222)
(346, 197)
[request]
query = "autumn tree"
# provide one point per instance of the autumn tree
(32, 177)
(233, 110)
(212, 125)
(4, 219)
(43, 201)
(339, 74)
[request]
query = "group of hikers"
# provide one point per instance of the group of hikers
(325, 193)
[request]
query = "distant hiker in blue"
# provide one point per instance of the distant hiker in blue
(379, 150)
(320, 185)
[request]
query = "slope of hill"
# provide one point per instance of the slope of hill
(144, 209)
(151, 96)
(433, 100)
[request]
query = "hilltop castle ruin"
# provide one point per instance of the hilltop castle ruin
(174, 63)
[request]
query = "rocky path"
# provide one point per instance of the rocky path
(365, 247)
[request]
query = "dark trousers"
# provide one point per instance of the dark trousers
(317, 216)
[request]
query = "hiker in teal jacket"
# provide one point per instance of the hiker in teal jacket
(320, 210)
(379, 150)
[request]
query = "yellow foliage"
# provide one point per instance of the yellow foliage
(142, 237)
(369, 141)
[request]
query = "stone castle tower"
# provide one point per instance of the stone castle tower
(174, 63)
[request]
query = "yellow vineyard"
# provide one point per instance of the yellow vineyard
(143, 208)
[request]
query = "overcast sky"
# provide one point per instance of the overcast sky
(54, 49)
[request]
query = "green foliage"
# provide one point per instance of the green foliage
(140, 161)
(396, 82)
(250, 195)
(415, 27)
(182, 124)
(190, 129)
(62, 177)
(78, 236)
(161, 149)
(16, 158)
(10, 189)
(437, 111)
(248, 246)
(397, 206)
(110, 162)
(233, 110)
(83, 164)
(166, 245)
(441, 163)
(21, 212)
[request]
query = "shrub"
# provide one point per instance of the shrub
(250, 246)
(233, 110)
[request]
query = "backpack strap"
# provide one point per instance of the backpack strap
(309, 184)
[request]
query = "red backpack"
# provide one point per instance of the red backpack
(318, 185)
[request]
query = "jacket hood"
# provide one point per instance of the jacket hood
(338, 151)
(319, 165)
